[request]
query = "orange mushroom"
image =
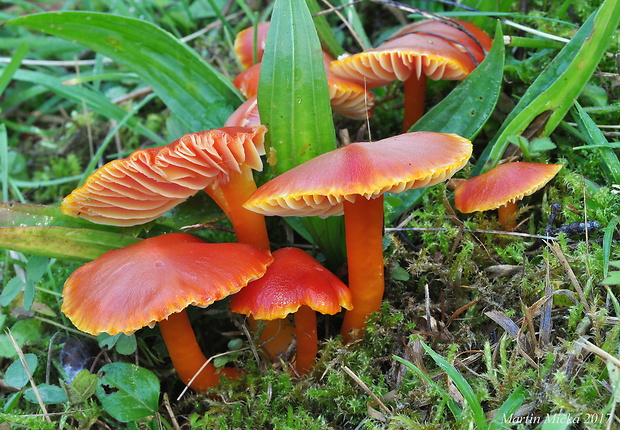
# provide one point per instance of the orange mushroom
(501, 187)
(149, 182)
(352, 180)
(154, 280)
(434, 50)
(295, 283)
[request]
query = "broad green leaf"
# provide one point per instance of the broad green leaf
(16, 375)
(468, 107)
(610, 165)
(11, 290)
(93, 100)
(293, 98)
(558, 422)
(559, 84)
(81, 244)
(50, 394)
(293, 101)
(193, 90)
(128, 392)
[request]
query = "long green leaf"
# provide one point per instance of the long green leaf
(81, 244)
(468, 107)
(559, 84)
(193, 90)
(293, 98)
(462, 385)
(293, 101)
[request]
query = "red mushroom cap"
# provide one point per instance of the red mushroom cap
(503, 184)
(143, 283)
(369, 169)
(294, 279)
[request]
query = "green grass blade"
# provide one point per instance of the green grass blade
(454, 408)
(468, 107)
(324, 30)
(610, 165)
(12, 67)
(559, 84)
(193, 90)
(4, 162)
(462, 385)
(93, 100)
(508, 408)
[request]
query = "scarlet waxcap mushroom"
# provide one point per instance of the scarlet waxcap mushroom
(295, 283)
(244, 44)
(320, 186)
(352, 180)
(503, 186)
(149, 182)
(154, 281)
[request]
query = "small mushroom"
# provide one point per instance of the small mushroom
(295, 283)
(501, 187)
(352, 180)
(153, 281)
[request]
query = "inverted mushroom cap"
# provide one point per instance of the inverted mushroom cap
(143, 283)
(244, 44)
(148, 183)
(320, 185)
(399, 58)
(294, 279)
(503, 184)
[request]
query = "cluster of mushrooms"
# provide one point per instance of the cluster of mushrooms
(156, 279)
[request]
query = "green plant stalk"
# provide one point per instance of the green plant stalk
(559, 84)
(324, 30)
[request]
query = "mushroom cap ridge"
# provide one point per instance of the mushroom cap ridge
(319, 186)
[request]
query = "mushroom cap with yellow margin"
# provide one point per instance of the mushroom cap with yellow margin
(148, 183)
(294, 279)
(129, 288)
(414, 54)
(506, 183)
(319, 186)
